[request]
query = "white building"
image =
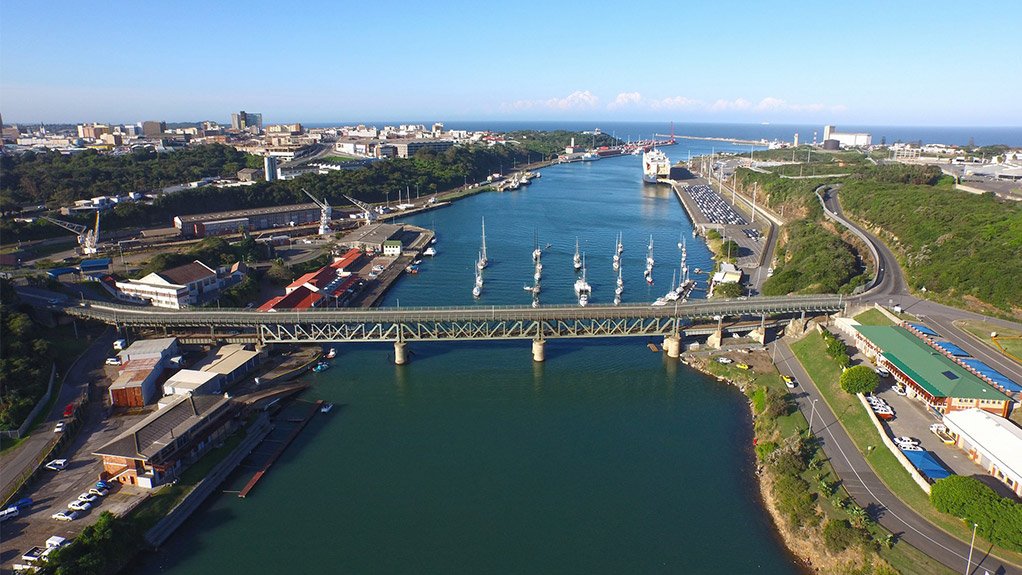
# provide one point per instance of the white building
(994, 443)
(190, 381)
(847, 139)
(174, 288)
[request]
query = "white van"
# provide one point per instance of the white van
(120, 344)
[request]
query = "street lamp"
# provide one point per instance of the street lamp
(968, 566)
(812, 414)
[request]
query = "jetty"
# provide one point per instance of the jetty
(276, 454)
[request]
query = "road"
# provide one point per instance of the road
(866, 488)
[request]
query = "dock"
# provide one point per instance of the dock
(290, 438)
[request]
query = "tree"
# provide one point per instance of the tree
(729, 249)
(727, 290)
(859, 379)
(279, 274)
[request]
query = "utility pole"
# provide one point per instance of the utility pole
(754, 188)
(968, 565)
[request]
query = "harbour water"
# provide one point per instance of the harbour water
(473, 459)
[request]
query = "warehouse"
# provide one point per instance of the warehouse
(219, 223)
(992, 442)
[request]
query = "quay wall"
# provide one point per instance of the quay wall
(160, 532)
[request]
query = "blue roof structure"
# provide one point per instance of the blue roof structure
(95, 265)
(951, 348)
(993, 375)
(927, 464)
(57, 272)
(923, 329)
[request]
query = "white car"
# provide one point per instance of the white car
(906, 441)
(899, 390)
(87, 498)
(911, 448)
(59, 427)
(79, 506)
(113, 361)
(725, 360)
(98, 492)
(883, 372)
(56, 464)
(65, 515)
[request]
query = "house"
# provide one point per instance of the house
(927, 374)
(392, 248)
(190, 381)
(157, 449)
(229, 364)
(992, 442)
(174, 288)
(142, 366)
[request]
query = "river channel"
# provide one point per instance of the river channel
(606, 458)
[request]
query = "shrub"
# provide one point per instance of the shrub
(839, 535)
(999, 519)
(859, 379)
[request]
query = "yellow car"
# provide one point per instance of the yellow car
(742, 365)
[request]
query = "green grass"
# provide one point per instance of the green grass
(340, 158)
(1008, 340)
(811, 352)
(873, 317)
(150, 511)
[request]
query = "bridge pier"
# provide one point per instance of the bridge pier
(539, 350)
(713, 341)
(400, 353)
(672, 345)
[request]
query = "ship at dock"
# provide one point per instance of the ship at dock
(655, 165)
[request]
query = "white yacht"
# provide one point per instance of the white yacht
(577, 260)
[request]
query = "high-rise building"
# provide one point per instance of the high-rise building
(153, 128)
(244, 121)
(270, 168)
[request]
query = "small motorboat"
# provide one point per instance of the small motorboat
(331, 353)
(326, 407)
(321, 367)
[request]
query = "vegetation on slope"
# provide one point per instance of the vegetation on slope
(952, 243)
(813, 260)
(24, 370)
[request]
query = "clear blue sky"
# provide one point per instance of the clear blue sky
(898, 63)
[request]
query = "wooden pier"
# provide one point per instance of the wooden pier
(291, 437)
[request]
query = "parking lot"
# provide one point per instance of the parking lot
(716, 210)
(51, 491)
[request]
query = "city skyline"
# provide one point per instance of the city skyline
(727, 63)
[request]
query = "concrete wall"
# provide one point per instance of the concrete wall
(23, 428)
(166, 526)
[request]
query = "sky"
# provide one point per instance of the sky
(938, 63)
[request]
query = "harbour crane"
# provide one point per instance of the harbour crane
(87, 239)
(325, 213)
(367, 211)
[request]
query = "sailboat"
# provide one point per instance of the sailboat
(582, 287)
(482, 254)
(577, 260)
(672, 294)
(477, 289)
(617, 256)
(649, 254)
(537, 253)
(620, 288)
(620, 245)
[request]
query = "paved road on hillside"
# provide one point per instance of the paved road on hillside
(867, 489)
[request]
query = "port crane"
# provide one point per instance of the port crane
(367, 211)
(87, 239)
(325, 213)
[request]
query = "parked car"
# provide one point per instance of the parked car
(789, 381)
(113, 361)
(911, 448)
(725, 360)
(65, 515)
(69, 410)
(742, 365)
(104, 485)
(904, 440)
(79, 505)
(23, 503)
(59, 427)
(87, 497)
(56, 464)
(883, 372)
(899, 390)
(99, 492)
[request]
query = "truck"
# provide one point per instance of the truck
(940, 430)
(120, 344)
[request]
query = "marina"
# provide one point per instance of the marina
(382, 461)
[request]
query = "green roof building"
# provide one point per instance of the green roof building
(927, 373)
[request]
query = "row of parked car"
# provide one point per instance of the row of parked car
(880, 407)
(85, 501)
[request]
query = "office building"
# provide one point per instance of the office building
(153, 129)
(242, 121)
(270, 168)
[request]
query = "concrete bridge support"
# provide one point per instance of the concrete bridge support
(672, 345)
(713, 341)
(539, 350)
(400, 353)
(759, 334)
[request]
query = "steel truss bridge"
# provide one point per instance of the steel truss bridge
(399, 324)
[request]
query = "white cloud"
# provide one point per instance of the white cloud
(736, 104)
(625, 99)
(675, 103)
(771, 104)
(577, 100)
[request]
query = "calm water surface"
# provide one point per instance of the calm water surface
(472, 459)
